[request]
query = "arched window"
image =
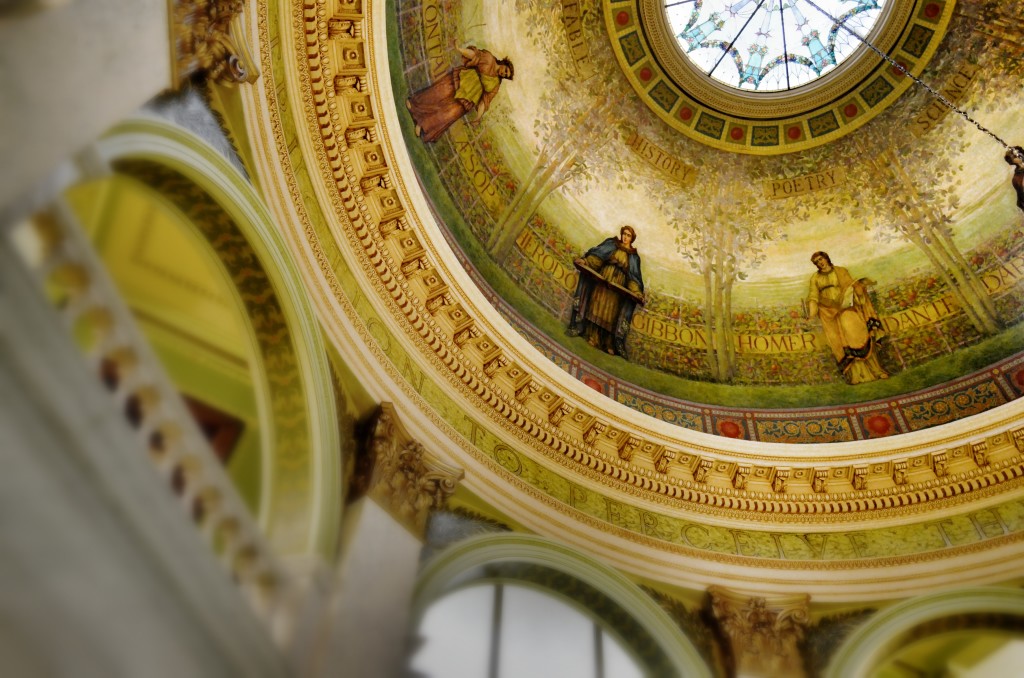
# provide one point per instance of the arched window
(509, 605)
(966, 632)
(502, 630)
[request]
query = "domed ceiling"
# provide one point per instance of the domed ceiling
(463, 338)
(915, 208)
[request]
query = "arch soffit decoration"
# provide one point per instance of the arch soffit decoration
(450, 570)
(396, 302)
(885, 632)
(300, 503)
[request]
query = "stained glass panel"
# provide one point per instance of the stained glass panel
(770, 45)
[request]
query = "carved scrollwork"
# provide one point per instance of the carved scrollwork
(629, 445)
(820, 482)
(764, 634)
(860, 478)
(400, 475)
(663, 460)
(780, 480)
(899, 473)
(704, 466)
(593, 431)
(739, 478)
(208, 38)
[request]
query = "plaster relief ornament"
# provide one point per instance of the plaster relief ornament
(610, 287)
(209, 38)
(400, 475)
(848, 318)
(469, 87)
(764, 634)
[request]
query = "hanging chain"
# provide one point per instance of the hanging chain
(931, 90)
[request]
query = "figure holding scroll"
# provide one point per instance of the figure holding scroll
(610, 287)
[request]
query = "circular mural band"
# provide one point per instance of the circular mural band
(844, 286)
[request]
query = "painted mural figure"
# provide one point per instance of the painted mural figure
(1015, 158)
(852, 328)
(459, 91)
(610, 287)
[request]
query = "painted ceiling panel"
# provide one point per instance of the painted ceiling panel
(916, 210)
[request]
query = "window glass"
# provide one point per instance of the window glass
(456, 633)
(541, 636)
(770, 45)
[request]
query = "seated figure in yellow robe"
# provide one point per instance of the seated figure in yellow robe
(851, 326)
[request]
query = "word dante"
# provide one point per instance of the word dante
(787, 188)
(1004, 276)
(656, 157)
(918, 316)
(578, 47)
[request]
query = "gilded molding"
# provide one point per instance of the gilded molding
(400, 475)
(764, 633)
(208, 38)
(769, 123)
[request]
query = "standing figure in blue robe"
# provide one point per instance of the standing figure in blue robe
(610, 287)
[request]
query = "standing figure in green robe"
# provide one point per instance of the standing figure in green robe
(470, 86)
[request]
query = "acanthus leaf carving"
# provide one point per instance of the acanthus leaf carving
(780, 479)
(663, 460)
(860, 478)
(397, 472)
(979, 451)
(704, 466)
(558, 412)
(899, 473)
(629, 445)
(740, 476)
(764, 633)
(209, 39)
(594, 430)
(527, 390)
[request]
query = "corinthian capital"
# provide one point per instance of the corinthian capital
(763, 632)
(208, 38)
(399, 474)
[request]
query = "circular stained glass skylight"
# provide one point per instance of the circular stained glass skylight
(770, 45)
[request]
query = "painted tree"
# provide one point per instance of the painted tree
(724, 237)
(576, 124)
(904, 188)
(992, 29)
(574, 132)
